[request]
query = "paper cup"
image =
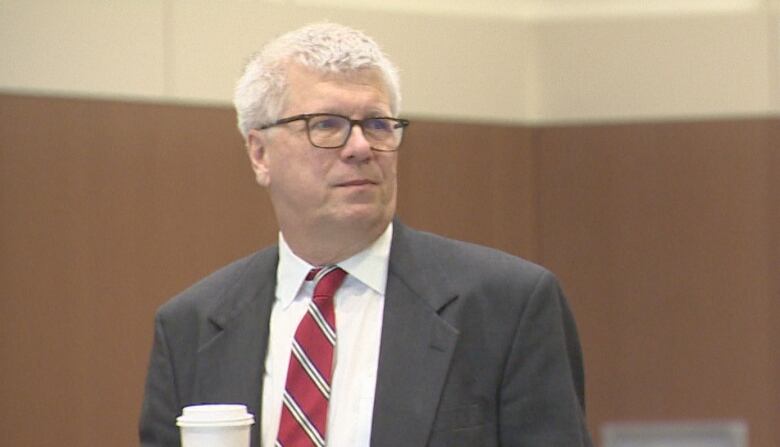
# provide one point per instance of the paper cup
(215, 426)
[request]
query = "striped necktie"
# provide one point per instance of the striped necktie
(307, 390)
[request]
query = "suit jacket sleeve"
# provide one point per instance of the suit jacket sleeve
(542, 399)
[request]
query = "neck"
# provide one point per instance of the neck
(323, 246)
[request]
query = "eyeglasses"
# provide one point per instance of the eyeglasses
(331, 131)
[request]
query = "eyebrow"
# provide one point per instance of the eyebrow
(371, 112)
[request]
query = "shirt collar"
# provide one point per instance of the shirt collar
(368, 266)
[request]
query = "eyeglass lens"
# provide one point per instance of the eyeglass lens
(332, 131)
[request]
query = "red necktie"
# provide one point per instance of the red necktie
(307, 391)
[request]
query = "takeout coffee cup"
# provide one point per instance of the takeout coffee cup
(217, 425)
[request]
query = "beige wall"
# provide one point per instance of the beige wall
(491, 60)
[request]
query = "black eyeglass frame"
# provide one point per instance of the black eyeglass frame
(400, 123)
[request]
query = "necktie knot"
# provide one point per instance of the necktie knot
(328, 280)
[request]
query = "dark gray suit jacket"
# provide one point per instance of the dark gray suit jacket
(478, 348)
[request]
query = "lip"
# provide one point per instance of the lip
(357, 182)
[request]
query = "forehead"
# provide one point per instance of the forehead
(354, 88)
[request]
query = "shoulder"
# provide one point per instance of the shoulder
(223, 285)
(478, 283)
(469, 259)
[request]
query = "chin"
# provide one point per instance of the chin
(365, 217)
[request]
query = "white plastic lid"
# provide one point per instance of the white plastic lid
(214, 414)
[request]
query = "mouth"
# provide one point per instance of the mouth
(358, 182)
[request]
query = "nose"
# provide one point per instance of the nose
(357, 146)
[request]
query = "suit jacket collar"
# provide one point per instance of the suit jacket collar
(418, 267)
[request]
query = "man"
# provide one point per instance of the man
(432, 342)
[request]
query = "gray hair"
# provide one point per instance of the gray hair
(325, 47)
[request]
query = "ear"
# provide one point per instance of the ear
(256, 149)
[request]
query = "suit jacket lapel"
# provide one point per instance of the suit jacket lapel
(416, 348)
(230, 362)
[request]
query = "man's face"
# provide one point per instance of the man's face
(350, 188)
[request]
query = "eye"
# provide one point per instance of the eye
(378, 124)
(327, 123)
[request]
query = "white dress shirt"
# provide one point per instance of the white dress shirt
(359, 304)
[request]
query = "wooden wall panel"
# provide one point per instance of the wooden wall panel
(107, 210)
(774, 270)
(665, 235)
(472, 182)
(662, 234)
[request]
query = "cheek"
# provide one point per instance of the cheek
(305, 174)
(389, 170)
